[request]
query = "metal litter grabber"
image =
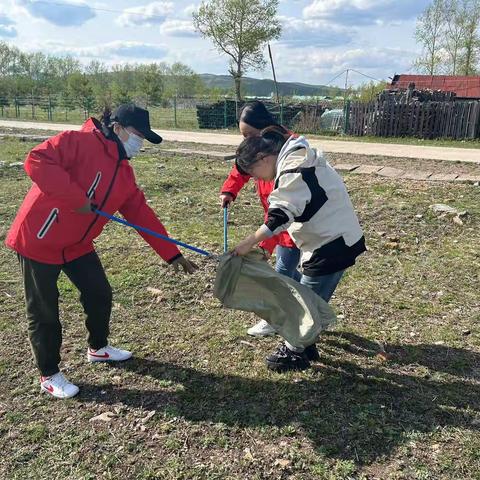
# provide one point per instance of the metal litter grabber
(154, 234)
(225, 229)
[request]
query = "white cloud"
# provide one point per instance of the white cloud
(364, 12)
(190, 9)
(178, 28)
(298, 32)
(118, 49)
(154, 13)
(7, 28)
(322, 65)
(64, 14)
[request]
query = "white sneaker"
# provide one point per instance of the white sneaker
(58, 386)
(261, 329)
(108, 354)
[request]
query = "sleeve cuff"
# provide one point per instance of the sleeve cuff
(266, 231)
(229, 193)
(174, 258)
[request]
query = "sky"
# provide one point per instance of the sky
(320, 38)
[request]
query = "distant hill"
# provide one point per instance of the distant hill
(264, 87)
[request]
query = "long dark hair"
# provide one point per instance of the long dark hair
(270, 142)
(257, 116)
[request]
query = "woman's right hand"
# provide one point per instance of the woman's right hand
(226, 199)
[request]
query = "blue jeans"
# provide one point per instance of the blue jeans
(323, 285)
(287, 262)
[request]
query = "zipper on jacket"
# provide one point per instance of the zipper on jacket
(93, 187)
(107, 194)
(53, 215)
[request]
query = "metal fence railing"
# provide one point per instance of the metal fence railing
(187, 113)
(423, 119)
(458, 120)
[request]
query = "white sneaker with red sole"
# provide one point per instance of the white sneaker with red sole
(58, 386)
(108, 354)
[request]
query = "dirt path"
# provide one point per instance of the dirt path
(467, 155)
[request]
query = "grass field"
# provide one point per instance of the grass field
(197, 402)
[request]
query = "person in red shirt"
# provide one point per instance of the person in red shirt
(55, 227)
(253, 118)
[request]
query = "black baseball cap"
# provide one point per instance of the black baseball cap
(129, 115)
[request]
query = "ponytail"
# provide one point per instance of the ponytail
(105, 118)
(270, 142)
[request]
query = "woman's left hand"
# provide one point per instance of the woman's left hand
(187, 265)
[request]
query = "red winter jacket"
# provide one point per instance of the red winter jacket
(66, 169)
(234, 184)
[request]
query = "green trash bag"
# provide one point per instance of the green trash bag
(250, 284)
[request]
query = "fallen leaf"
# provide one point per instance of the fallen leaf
(248, 455)
(282, 462)
(383, 356)
(154, 291)
(148, 416)
(103, 417)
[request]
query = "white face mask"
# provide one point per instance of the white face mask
(133, 144)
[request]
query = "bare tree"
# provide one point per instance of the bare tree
(455, 21)
(239, 29)
(471, 42)
(429, 33)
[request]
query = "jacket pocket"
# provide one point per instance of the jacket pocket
(48, 223)
(94, 185)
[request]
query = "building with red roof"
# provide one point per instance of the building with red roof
(463, 87)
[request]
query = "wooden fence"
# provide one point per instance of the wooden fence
(456, 119)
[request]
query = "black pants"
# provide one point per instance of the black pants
(41, 297)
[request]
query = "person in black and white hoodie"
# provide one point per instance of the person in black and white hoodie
(311, 201)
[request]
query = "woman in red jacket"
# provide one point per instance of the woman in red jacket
(55, 228)
(253, 118)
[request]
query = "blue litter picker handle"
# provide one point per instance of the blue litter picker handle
(151, 232)
(225, 229)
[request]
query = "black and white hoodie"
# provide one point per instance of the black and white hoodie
(311, 201)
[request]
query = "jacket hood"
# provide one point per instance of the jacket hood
(297, 153)
(90, 125)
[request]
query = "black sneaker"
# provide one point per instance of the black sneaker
(283, 359)
(312, 353)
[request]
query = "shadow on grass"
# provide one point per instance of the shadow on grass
(352, 408)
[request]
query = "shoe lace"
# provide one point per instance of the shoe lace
(282, 350)
(285, 352)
